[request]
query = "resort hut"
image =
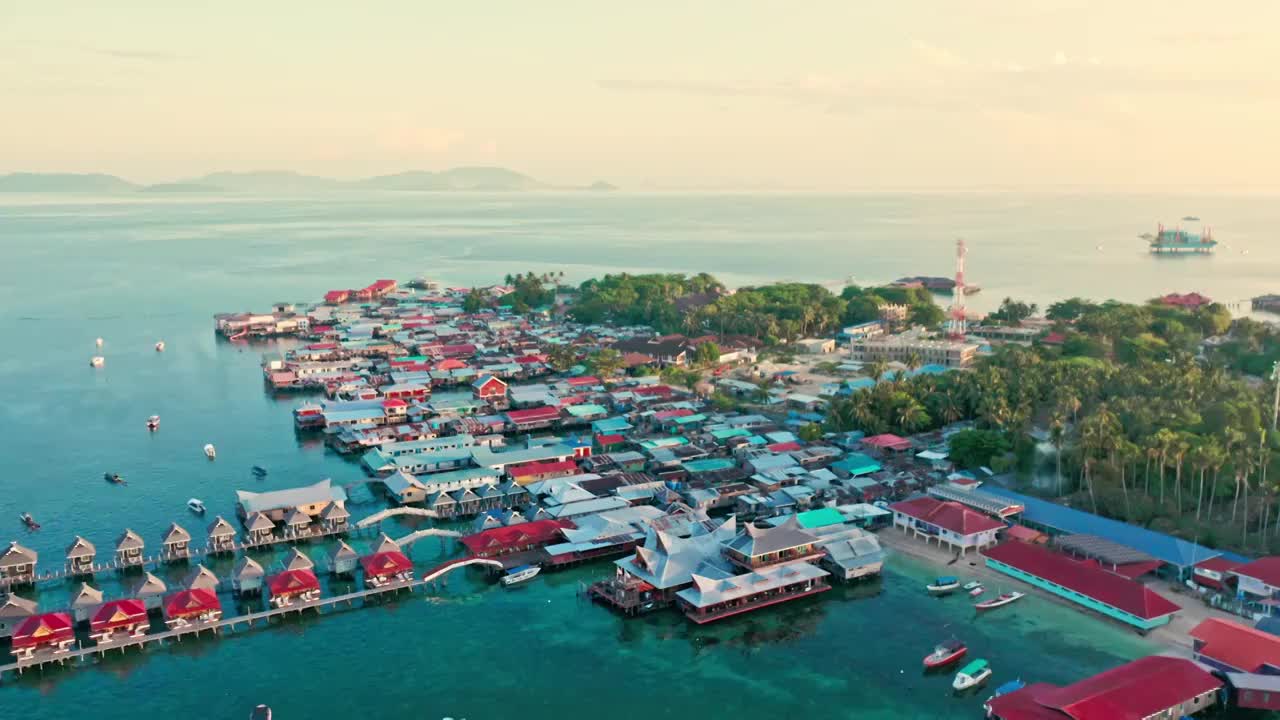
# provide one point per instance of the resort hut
(513, 517)
(490, 497)
(296, 523)
(201, 577)
(247, 575)
(382, 568)
(293, 586)
(80, 554)
(13, 611)
(18, 564)
(298, 560)
(487, 520)
(334, 517)
(513, 495)
(468, 502)
(85, 602)
(222, 536)
(150, 590)
(119, 619)
(259, 528)
(129, 549)
(385, 544)
(442, 505)
(50, 631)
(176, 544)
(343, 559)
(192, 607)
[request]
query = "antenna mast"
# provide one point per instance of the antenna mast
(957, 295)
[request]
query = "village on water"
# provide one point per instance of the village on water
(694, 469)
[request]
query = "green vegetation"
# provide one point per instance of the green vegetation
(530, 291)
(639, 299)
(976, 448)
(1012, 312)
(1253, 348)
(604, 363)
(786, 310)
(863, 304)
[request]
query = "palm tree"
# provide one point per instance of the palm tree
(1180, 448)
(1058, 436)
(913, 362)
(912, 416)
(877, 369)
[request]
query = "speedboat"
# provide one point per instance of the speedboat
(195, 506)
(1005, 689)
(98, 342)
(517, 575)
(944, 585)
(971, 675)
(113, 478)
(29, 521)
(999, 601)
(97, 361)
(945, 654)
(160, 346)
(210, 452)
(153, 422)
(259, 471)
(972, 585)
(262, 712)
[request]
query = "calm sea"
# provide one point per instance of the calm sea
(135, 272)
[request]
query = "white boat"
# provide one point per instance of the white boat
(210, 452)
(153, 422)
(160, 346)
(517, 575)
(262, 712)
(97, 361)
(972, 585)
(943, 586)
(1000, 601)
(971, 675)
(195, 506)
(99, 342)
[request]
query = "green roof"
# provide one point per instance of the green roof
(726, 433)
(655, 443)
(709, 464)
(687, 419)
(819, 518)
(586, 410)
(857, 464)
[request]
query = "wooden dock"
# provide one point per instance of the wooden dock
(84, 654)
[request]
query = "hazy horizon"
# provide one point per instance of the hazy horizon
(824, 96)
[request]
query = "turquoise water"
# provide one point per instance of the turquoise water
(138, 272)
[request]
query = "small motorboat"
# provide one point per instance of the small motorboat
(259, 471)
(195, 506)
(971, 675)
(1000, 600)
(945, 654)
(517, 575)
(971, 585)
(29, 521)
(98, 342)
(977, 591)
(153, 422)
(97, 361)
(1005, 689)
(210, 452)
(113, 478)
(262, 712)
(160, 346)
(944, 585)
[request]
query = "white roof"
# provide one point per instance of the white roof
(710, 591)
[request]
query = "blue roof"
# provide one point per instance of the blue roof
(1158, 545)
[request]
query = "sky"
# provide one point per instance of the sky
(819, 95)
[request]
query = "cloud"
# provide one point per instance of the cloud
(130, 54)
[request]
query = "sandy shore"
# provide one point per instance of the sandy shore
(1173, 637)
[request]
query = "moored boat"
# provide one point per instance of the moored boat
(262, 712)
(210, 452)
(971, 675)
(1004, 689)
(113, 478)
(944, 585)
(259, 471)
(29, 521)
(945, 654)
(97, 361)
(522, 573)
(977, 591)
(972, 585)
(153, 422)
(195, 506)
(1000, 600)
(160, 346)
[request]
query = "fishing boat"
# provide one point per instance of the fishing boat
(210, 452)
(945, 654)
(153, 422)
(195, 506)
(113, 478)
(1005, 689)
(160, 346)
(259, 471)
(944, 585)
(971, 675)
(522, 573)
(97, 361)
(29, 521)
(1000, 600)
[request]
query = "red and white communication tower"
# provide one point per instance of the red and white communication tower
(957, 296)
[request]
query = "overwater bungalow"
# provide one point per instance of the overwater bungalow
(129, 550)
(442, 504)
(85, 602)
(176, 544)
(192, 607)
(335, 517)
(119, 619)
(382, 568)
(277, 504)
(51, 632)
(761, 547)
(663, 566)
(201, 577)
(297, 523)
(298, 560)
(343, 560)
(80, 554)
(293, 586)
(222, 536)
(386, 544)
(18, 564)
(150, 590)
(712, 599)
(259, 528)
(247, 576)
(853, 554)
(13, 611)
(468, 503)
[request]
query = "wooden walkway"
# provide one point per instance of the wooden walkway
(80, 655)
(378, 517)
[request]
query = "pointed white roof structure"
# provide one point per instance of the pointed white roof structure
(80, 548)
(247, 568)
(386, 544)
(201, 577)
(298, 561)
(86, 596)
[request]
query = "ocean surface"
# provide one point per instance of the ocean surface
(136, 271)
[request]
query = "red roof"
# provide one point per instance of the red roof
(668, 414)
(394, 402)
(584, 380)
(323, 346)
(652, 390)
(1105, 587)
(1026, 534)
(451, 364)
(188, 603)
(537, 414)
(1142, 688)
(385, 564)
(1266, 570)
(947, 515)
(1053, 338)
(1240, 646)
(118, 614)
(785, 446)
(610, 439)
(1191, 300)
(889, 441)
(292, 582)
(1220, 564)
(336, 296)
(41, 629)
(537, 532)
(539, 467)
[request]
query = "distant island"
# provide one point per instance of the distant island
(460, 179)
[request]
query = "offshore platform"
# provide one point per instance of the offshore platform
(1176, 241)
